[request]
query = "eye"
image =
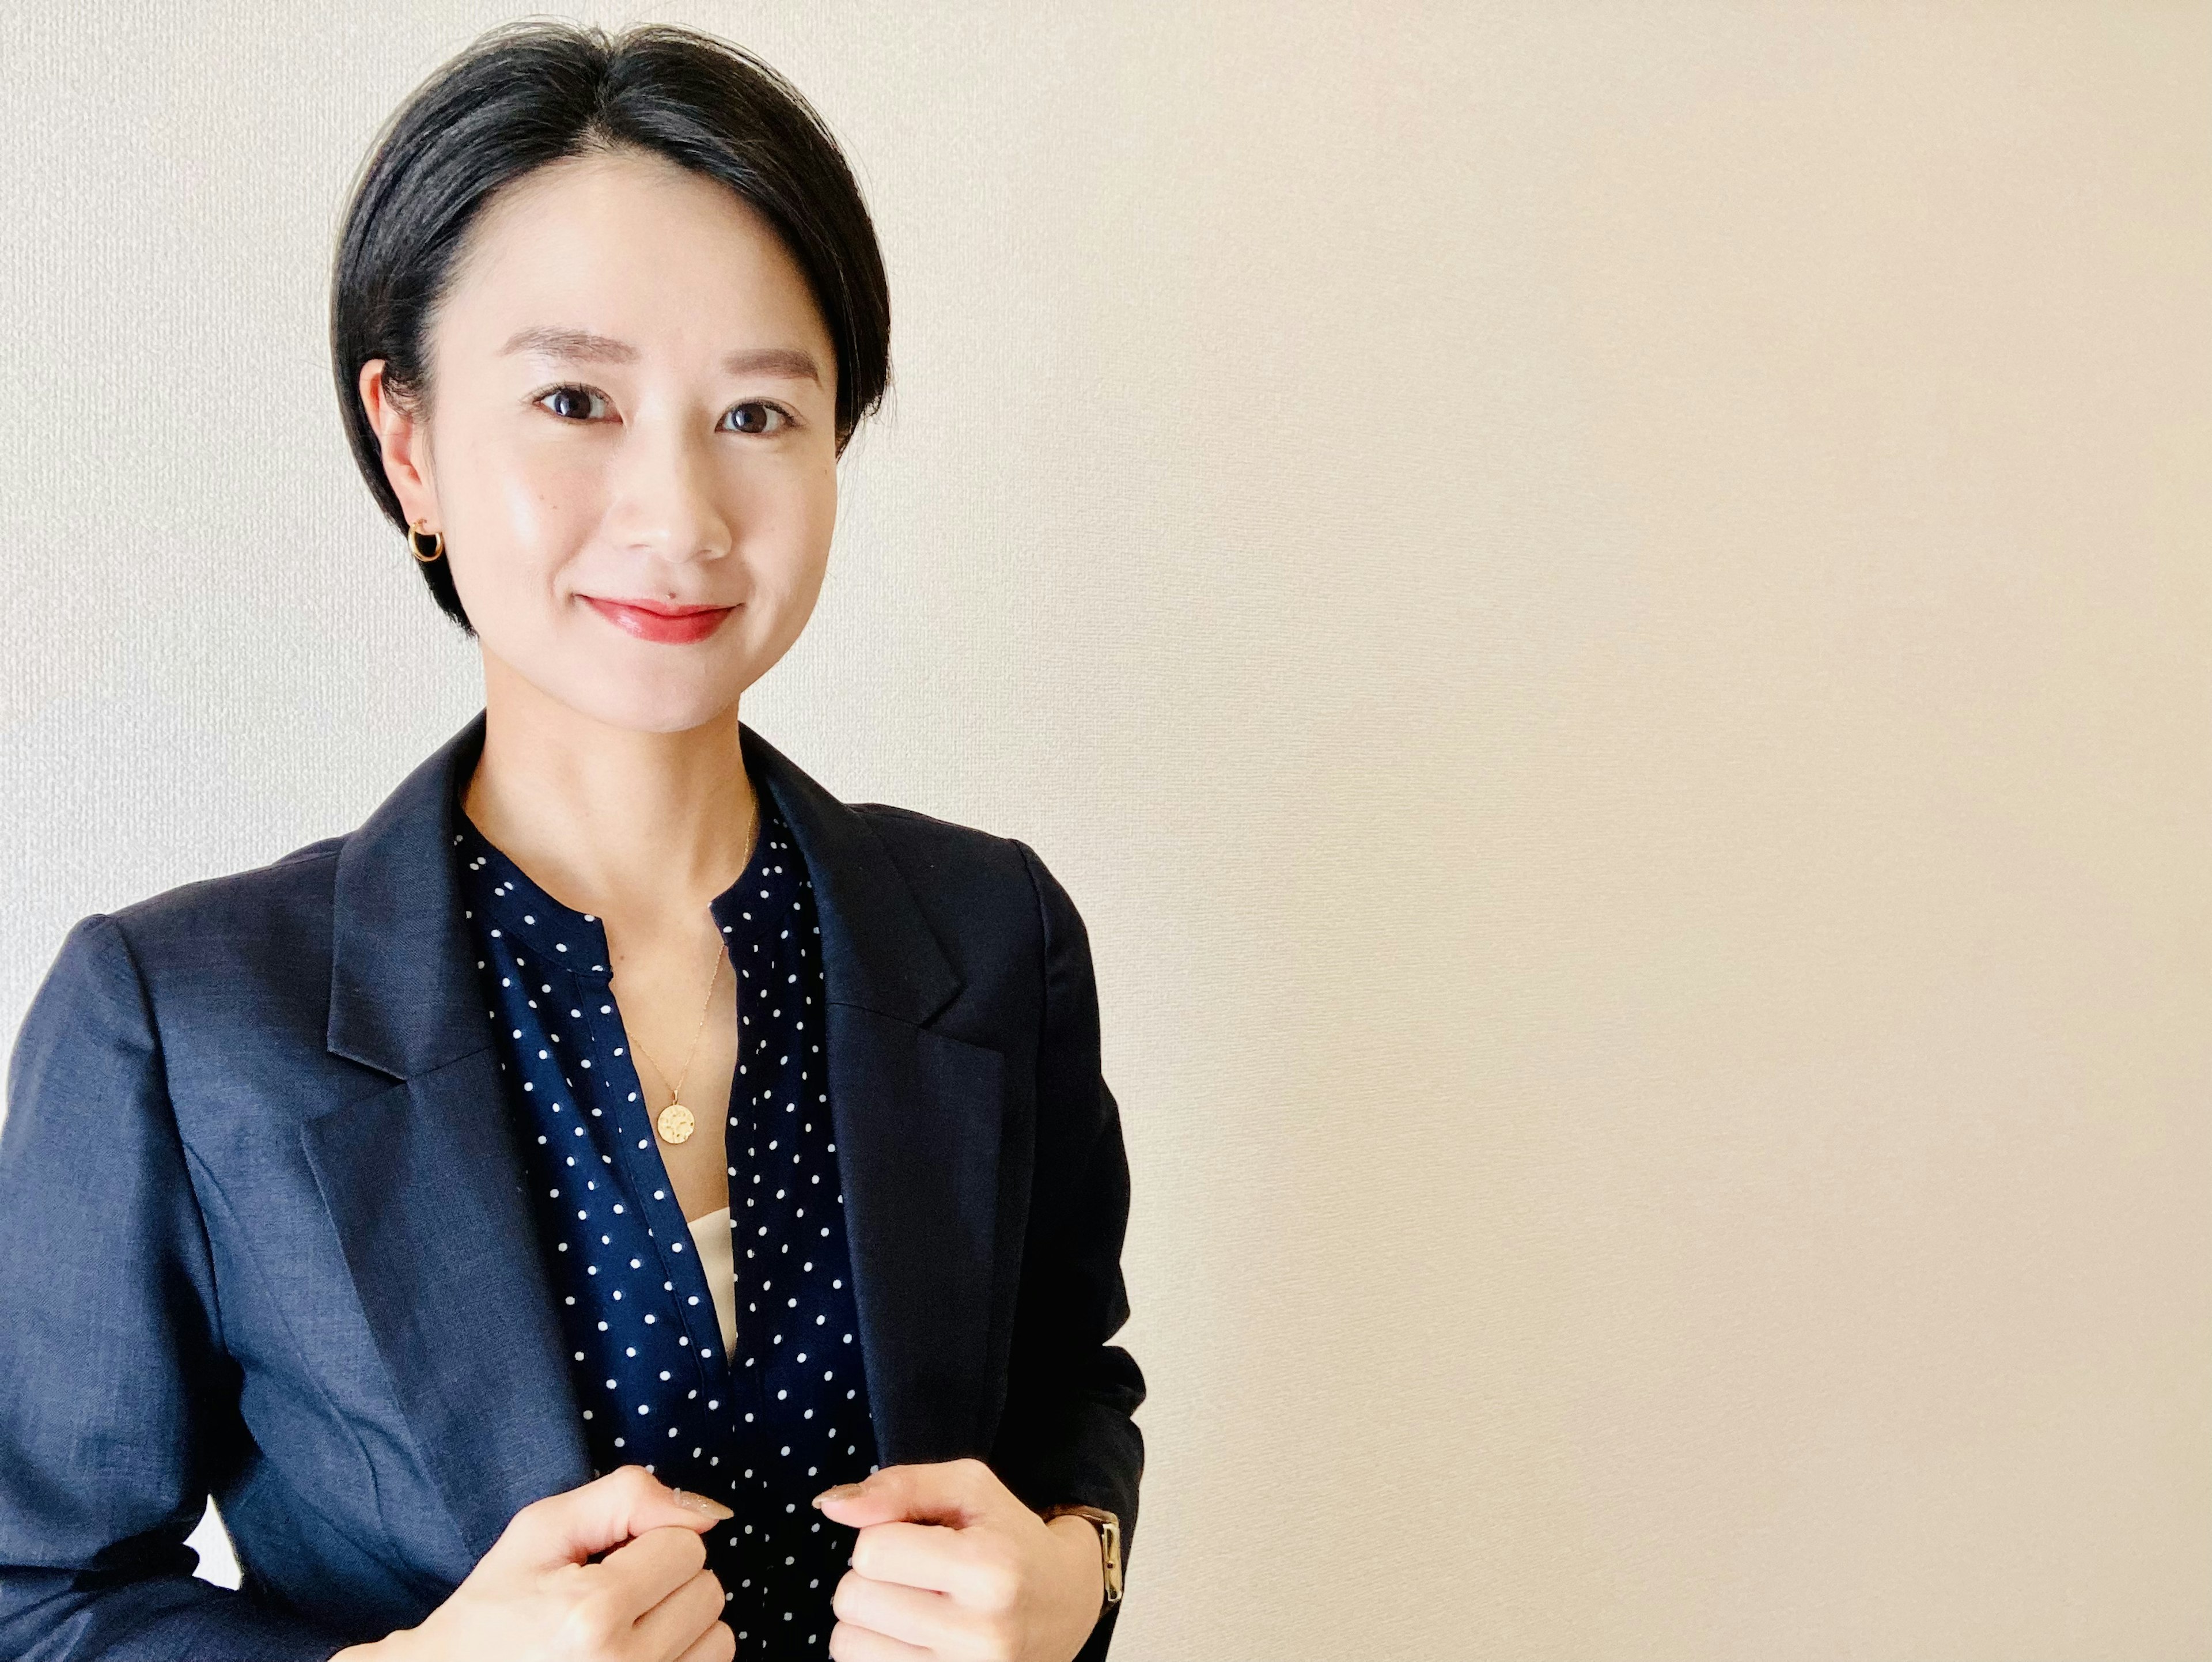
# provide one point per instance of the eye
(758, 416)
(570, 403)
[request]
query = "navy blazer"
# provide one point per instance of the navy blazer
(264, 1232)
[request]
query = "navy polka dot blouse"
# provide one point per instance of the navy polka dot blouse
(764, 1430)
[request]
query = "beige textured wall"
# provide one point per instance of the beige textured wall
(1605, 607)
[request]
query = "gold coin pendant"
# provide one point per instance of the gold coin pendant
(675, 1122)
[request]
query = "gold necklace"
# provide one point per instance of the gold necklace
(675, 1122)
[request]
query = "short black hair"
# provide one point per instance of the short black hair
(534, 91)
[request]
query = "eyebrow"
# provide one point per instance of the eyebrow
(582, 346)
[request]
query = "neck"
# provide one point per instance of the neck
(610, 820)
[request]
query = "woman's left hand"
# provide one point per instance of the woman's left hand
(951, 1565)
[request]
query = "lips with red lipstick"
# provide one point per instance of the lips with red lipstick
(659, 620)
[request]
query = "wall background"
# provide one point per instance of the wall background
(1605, 608)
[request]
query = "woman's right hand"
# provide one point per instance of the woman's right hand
(535, 1598)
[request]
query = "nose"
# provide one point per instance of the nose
(669, 503)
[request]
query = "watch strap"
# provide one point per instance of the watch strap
(1109, 1542)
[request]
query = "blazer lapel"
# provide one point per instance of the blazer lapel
(918, 1115)
(426, 1186)
(423, 1181)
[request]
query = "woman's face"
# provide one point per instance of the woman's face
(633, 401)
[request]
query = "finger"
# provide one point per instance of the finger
(646, 1570)
(928, 1555)
(569, 1527)
(955, 1492)
(681, 1620)
(911, 1614)
(717, 1644)
(849, 1642)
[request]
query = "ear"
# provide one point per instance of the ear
(405, 440)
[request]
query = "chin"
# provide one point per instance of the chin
(652, 704)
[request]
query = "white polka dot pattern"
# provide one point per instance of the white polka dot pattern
(788, 1415)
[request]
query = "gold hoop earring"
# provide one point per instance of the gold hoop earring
(415, 548)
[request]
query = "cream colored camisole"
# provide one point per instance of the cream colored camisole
(711, 1236)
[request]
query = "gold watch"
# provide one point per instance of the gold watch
(1109, 1542)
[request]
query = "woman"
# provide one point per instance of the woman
(388, 1193)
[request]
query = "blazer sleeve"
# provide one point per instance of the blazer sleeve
(119, 1405)
(1066, 1434)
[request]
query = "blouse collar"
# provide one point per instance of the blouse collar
(403, 988)
(558, 935)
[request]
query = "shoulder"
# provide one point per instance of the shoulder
(262, 905)
(998, 912)
(248, 949)
(970, 871)
(938, 851)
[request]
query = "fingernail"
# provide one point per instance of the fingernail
(694, 1503)
(841, 1492)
